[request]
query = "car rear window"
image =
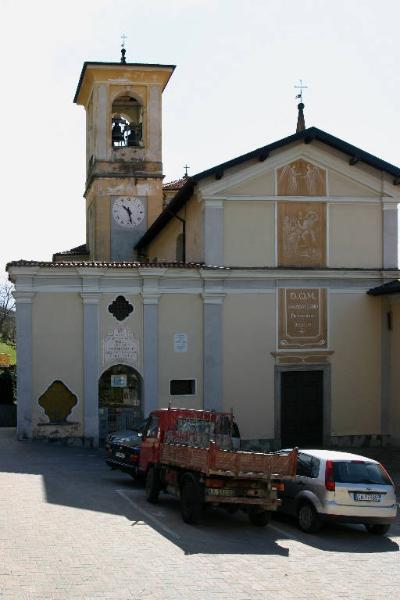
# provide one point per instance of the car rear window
(359, 472)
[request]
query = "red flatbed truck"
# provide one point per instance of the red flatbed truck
(190, 454)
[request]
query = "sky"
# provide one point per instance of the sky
(232, 91)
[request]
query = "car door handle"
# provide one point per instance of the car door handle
(300, 483)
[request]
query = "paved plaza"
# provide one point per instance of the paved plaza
(70, 528)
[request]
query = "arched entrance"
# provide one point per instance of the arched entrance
(120, 395)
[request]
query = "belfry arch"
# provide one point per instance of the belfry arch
(127, 122)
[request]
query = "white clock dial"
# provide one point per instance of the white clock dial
(128, 212)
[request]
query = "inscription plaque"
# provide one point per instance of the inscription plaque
(302, 318)
(180, 342)
(120, 346)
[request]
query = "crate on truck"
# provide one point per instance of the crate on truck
(194, 455)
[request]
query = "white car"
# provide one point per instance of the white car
(340, 486)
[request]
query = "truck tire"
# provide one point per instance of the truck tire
(152, 485)
(260, 518)
(191, 500)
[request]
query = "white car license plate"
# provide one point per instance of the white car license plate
(120, 455)
(367, 497)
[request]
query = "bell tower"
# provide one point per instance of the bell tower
(123, 153)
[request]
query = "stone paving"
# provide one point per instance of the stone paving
(72, 529)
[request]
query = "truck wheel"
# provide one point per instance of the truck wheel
(308, 519)
(260, 518)
(191, 500)
(152, 485)
(377, 528)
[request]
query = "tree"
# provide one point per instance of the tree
(7, 311)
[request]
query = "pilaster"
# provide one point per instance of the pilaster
(150, 350)
(390, 235)
(212, 349)
(214, 232)
(90, 302)
(24, 363)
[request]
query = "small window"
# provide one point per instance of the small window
(182, 387)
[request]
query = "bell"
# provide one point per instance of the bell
(135, 134)
(117, 131)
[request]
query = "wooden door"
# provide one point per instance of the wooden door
(302, 409)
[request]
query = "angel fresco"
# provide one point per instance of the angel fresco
(301, 178)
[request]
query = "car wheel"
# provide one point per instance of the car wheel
(308, 519)
(377, 528)
(261, 518)
(152, 485)
(191, 500)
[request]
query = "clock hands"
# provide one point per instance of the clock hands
(128, 210)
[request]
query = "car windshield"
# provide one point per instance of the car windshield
(359, 472)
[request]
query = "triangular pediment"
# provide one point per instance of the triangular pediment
(298, 171)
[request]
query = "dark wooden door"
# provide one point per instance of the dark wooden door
(302, 409)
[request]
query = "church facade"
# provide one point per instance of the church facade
(265, 285)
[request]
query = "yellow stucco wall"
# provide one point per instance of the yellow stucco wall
(395, 372)
(194, 230)
(133, 323)
(355, 235)
(340, 185)
(260, 185)
(249, 233)
(355, 338)
(163, 247)
(248, 367)
(57, 353)
(179, 313)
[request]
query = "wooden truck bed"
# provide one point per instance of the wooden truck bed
(230, 463)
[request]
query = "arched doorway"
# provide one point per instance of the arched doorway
(120, 395)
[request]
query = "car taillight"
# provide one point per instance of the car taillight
(387, 474)
(329, 476)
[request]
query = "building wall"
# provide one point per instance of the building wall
(163, 248)
(133, 324)
(57, 322)
(248, 367)
(194, 230)
(395, 373)
(355, 339)
(249, 233)
(355, 235)
(180, 313)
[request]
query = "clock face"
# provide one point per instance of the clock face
(128, 212)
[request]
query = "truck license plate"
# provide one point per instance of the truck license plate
(221, 492)
(120, 455)
(367, 497)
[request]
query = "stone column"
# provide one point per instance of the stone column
(91, 368)
(214, 232)
(23, 302)
(150, 352)
(390, 235)
(213, 351)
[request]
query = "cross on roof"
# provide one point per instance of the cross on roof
(123, 50)
(186, 167)
(300, 87)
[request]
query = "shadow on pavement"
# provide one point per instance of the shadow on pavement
(337, 537)
(79, 478)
